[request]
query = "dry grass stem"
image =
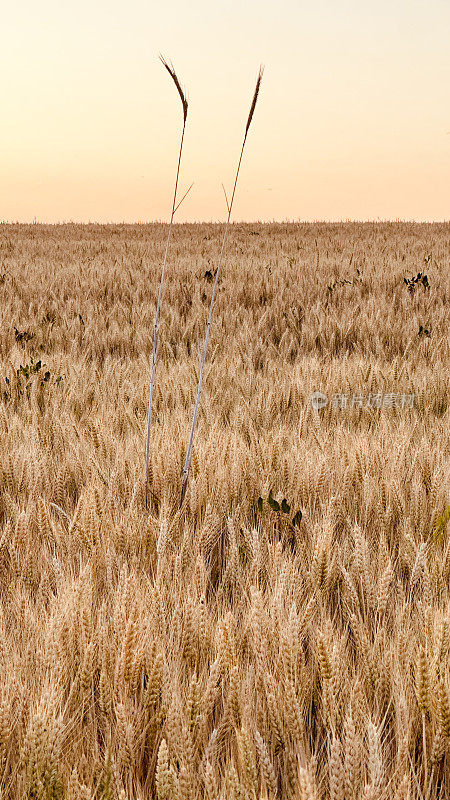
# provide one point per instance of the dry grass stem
(187, 463)
(175, 206)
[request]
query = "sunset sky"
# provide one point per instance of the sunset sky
(353, 119)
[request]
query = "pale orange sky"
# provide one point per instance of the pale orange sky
(353, 119)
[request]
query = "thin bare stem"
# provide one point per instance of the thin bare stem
(183, 198)
(187, 463)
(172, 73)
(226, 198)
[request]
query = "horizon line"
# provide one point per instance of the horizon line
(130, 223)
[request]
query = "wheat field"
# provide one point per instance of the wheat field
(225, 651)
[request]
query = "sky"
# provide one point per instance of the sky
(353, 120)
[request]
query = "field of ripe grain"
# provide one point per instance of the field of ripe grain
(223, 651)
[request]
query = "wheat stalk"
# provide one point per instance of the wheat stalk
(187, 462)
(184, 103)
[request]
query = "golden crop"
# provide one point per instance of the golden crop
(223, 651)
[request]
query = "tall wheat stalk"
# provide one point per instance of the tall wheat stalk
(187, 462)
(184, 102)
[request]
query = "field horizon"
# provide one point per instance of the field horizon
(233, 222)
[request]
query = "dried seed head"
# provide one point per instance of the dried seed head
(438, 748)
(247, 759)
(336, 771)
(323, 658)
(422, 682)
(443, 709)
(375, 758)
(306, 784)
(173, 75)
(162, 778)
(235, 705)
(255, 98)
(266, 766)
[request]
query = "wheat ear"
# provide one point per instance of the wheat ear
(184, 103)
(187, 462)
